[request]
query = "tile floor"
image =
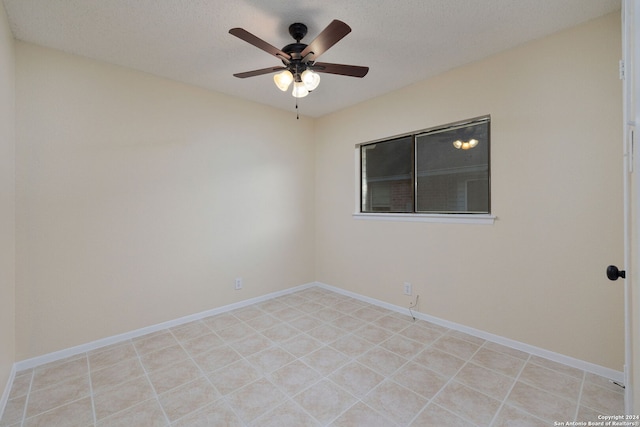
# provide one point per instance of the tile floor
(310, 358)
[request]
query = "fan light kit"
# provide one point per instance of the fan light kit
(465, 145)
(299, 59)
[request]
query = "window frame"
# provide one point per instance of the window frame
(418, 216)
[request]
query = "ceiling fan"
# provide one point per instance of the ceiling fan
(299, 59)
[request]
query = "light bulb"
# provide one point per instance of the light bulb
(283, 80)
(457, 144)
(310, 79)
(299, 91)
(473, 143)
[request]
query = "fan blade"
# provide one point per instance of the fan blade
(343, 70)
(331, 35)
(259, 72)
(259, 43)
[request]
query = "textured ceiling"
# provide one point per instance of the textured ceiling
(402, 41)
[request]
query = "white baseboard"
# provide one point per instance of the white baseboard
(536, 351)
(94, 345)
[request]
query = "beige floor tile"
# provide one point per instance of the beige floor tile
(234, 376)
(466, 337)
(348, 323)
(434, 415)
(420, 379)
(382, 360)
(281, 333)
(519, 354)
(294, 377)
(402, 346)
(122, 397)
(287, 314)
(202, 344)
(327, 314)
(263, 322)
(77, 413)
(154, 342)
(392, 323)
(13, 411)
(148, 414)
(602, 399)
(541, 403)
(216, 358)
(217, 414)
(62, 393)
(559, 384)
(395, 402)
(251, 344)
(301, 345)
(362, 415)
(352, 345)
(325, 360)
(271, 306)
(21, 384)
(368, 313)
(499, 362)
(459, 348)
(439, 361)
(190, 331)
(247, 313)
(373, 333)
(510, 416)
(220, 321)
(603, 382)
(558, 367)
(174, 376)
(356, 378)
(255, 399)
(420, 333)
(235, 332)
(163, 358)
(467, 403)
(114, 375)
(306, 323)
(53, 373)
(287, 414)
(325, 401)
(111, 355)
(327, 333)
(270, 359)
(486, 381)
(188, 398)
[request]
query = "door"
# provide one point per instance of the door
(631, 81)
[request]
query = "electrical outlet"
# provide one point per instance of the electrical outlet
(407, 288)
(238, 283)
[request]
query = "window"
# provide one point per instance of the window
(443, 170)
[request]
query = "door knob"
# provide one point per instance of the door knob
(613, 273)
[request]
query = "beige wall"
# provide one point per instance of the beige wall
(537, 274)
(7, 200)
(139, 200)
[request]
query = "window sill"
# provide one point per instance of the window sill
(439, 218)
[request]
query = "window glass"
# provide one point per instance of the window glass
(387, 176)
(452, 170)
(443, 170)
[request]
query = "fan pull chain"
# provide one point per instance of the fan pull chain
(297, 111)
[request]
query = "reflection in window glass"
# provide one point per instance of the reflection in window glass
(452, 170)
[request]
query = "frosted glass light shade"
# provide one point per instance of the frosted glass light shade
(283, 80)
(299, 90)
(310, 79)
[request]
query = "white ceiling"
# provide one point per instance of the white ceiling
(402, 41)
